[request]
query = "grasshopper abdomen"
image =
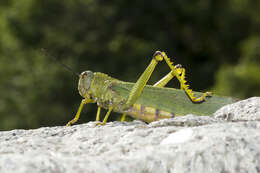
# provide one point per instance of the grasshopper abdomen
(147, 113)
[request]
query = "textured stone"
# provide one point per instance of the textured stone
(245, 110)
(133, 147)
(183, 144)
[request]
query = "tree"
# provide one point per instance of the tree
(118, 38)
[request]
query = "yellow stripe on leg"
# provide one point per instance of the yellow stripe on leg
(98, 113)
(123, 118)
(106, 117)
(164, 80)
(201, 98)
(142, 81)
(75, 119)
(182, 81)
(168, 77)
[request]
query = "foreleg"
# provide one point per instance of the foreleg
(75, 119)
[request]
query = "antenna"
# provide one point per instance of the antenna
(60, 62)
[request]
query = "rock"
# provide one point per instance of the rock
(245, 110)
(133, 147)
(183, 144)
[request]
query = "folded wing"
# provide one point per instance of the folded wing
(173, 100)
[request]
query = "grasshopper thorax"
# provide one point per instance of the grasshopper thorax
(85, 79)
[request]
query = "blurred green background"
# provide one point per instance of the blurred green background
(218, 42)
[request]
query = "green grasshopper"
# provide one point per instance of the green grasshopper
(145, 102)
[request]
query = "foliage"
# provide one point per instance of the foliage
(242, 80)
(209, 38)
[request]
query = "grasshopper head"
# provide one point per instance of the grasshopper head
(85, 79)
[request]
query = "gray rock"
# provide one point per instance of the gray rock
(245, 110)
(183, 144)
(134, 147)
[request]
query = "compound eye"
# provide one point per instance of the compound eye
(85, 73)
(87, 77)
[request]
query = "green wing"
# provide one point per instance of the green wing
(173, 100)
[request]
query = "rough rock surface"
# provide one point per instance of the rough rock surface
(244, 110)
(184, 144)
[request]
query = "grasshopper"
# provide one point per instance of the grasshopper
(142, 101)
